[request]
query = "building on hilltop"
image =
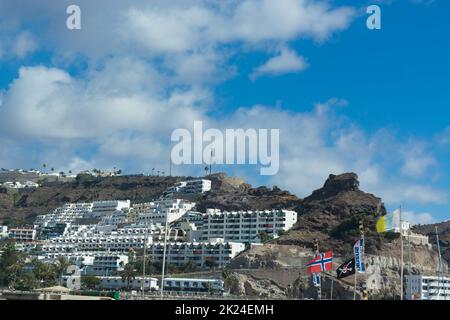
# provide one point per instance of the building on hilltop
(189, 187)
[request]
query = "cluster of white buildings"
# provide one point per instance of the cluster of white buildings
(102, 237)
(71, 212)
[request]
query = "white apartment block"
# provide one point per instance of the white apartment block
(110, 243)
(421, 287)
(114, 283)
(68, 213)
(173, 209)
(245, 226)
(115, 218)
(197, 186)
(193, 285)
(111, 211)
(217, 252)
(156, 232)
(22, 234)
(105, 265)
(101, 209)
(117, 283)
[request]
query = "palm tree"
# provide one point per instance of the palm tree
(153, 171)
(44, 166)
(11, 264)
(61, 266)
(128, 274)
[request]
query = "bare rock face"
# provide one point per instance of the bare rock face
(233, 194)
(250, 287)
(335, 185)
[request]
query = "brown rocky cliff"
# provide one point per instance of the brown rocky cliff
(332, 214)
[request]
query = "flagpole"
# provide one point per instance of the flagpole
(354, 288)
(401, 264)
(409, 265)
(319, 288)
(439, 263)
(362, 258)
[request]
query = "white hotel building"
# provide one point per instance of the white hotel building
(174, 209)
(421, 287)
(196, 186)
(193, 285)
(70, 212)
(245, 226)
(102, 209)
(217, 252)
(117, 283)
(108, 243)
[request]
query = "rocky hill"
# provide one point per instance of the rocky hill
(24, 205)
(444, 236)
(330, 214)
(228, 193)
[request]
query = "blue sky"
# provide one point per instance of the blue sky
(345, 98)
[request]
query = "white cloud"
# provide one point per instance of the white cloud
(185, 35)
(151, 68)
(287, 62)
(417, 160)
(418, 218)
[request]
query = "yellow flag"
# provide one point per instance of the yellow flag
(381, 225)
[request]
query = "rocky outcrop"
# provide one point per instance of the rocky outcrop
(332, 215)
(232, 194)
(250, 287)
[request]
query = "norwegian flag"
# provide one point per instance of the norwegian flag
(322, 262)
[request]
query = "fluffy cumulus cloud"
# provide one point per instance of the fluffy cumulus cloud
(151, 67)
(286, 62)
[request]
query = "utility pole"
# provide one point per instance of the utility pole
(409, 265)
(143, 262)
(210, 161)
(164, 255)
(401, 264)
(361, 232)
(439, 264)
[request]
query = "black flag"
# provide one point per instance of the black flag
(346, 269)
